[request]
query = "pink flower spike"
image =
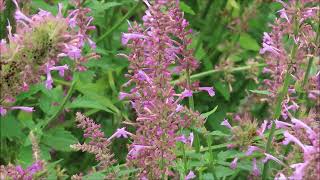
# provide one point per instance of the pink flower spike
(270, 157)
(251, 149)
(191, 175)
(234, 163)
(255, 169)
(23, 108)
(126, 37)
(208, 89)
(120, 133)
(226, 123)
(3, 111)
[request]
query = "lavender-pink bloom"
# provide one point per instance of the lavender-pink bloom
(270, 157)
(208, 89)
(251, 149)
(120, 133)
(3, 111)
(255, 169)
(190, 175)
(226, 123)
(233, 164)
(283, 14)
(126, 37)
(23, 108)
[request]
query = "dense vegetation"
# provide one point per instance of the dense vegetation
(159, 89)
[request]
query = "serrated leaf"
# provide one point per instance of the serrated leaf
(187, 9)
(59, 139)
(10, 127)
(249, 43)
(264, 92)
(207, 114)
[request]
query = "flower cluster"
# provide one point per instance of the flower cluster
(304, 159)
(98, 145)
(36, 48)
(159, 48)
(295, 25)
(17, 172)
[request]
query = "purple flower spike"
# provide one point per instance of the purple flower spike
(208, 89)
(191, 175)
(226, 123)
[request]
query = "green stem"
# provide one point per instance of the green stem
(61, 107)
(276, 115)
(107, 33)
(306, 75)
(214, 71)
(191, 102)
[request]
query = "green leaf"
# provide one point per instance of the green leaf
(218, 133)
(59, 139)
(222, 171)
(85, 102)
(223, 89)
(207, 114)
(94, 176)
(187, 9)
(264, 92)
(10, 127)
(249, 43)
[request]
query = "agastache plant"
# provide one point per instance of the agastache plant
(36, 48)
(161, 42)
(296, 23)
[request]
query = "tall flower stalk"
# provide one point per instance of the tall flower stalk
(159, 48)
(287, 63)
